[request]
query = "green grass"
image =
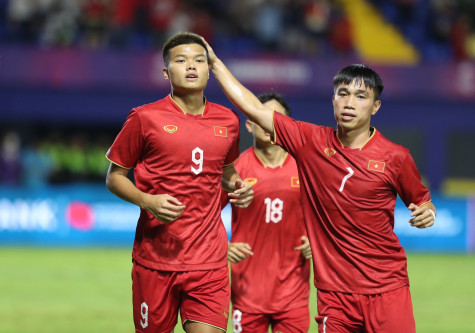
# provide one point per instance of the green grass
(89, 290)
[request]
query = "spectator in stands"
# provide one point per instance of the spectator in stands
(10, 159)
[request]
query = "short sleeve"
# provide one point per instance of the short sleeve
(127, 148)
(409, 185)
(289, 133)
(233, 152)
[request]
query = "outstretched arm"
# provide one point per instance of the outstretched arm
(163, 207)
(239, 95)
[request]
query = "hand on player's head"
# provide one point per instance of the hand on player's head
(211, 55)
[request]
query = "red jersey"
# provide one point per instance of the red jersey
(276, 277)
(348, 198)
(181, 155)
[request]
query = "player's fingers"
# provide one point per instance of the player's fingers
(422, 221)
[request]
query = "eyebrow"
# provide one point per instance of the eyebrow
(358, 91)
(187, 55)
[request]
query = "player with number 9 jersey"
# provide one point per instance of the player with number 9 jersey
(180, 154)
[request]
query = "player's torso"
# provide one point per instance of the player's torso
(185, 147)
(355, 181)
(275, 212)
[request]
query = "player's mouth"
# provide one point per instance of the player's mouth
(347, 116)
(192, 77)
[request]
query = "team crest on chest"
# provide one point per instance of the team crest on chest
(220, 131)
(329, 152)
(251, 180)
(294, 182)
(170, 128)
(376, 166)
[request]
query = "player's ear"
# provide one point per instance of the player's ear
(165, 73)
(249, 126)
(376, 106)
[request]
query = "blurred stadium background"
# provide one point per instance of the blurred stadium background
(71, 70)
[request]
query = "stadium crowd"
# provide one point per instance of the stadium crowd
(58, 157)
(440, 28)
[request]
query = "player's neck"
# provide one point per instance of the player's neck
(354, 139)
(270, 155)
(191, 103)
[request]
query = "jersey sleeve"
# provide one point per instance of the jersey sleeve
(127, 147)
(233, 152)
(288, 133)
(409, 185)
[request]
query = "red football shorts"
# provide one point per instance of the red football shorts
(201, 296)
(389, 312)
(290, 321)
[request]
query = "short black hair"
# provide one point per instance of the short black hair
(181, 38)
(360, 73)
(268, 96)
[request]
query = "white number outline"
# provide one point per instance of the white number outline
(350, 173)
(237, 316)
(274, 209)
(198, 162)
(144, 314)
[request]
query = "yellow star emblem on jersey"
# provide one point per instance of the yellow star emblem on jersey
(220, 131)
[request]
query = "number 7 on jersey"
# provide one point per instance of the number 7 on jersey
(350, 173)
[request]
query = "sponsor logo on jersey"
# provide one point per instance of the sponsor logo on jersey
(330, 152)
(294, 182)
(226, 313)
(221, 131)
(170, 128)
(251, 180)
(376, 166)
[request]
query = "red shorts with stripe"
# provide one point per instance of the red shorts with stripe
(201, 296)
(291, 321)
(389, 312)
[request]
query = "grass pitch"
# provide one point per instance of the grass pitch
(89, 290)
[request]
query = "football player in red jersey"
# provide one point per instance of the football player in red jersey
(349, 179)
(269, 249)
(182, 149)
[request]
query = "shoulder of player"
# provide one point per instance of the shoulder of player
(149, 107)
(390, 145)
(244, 157)
(222, 109)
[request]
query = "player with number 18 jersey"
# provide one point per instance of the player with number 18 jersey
(276, 277)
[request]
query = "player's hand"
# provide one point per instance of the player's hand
(211, 55)
(305, 247)
(421, 216)
(164, 207)
(242, 195)
(238, 252)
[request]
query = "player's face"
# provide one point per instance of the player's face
(260, 136)
(188, 69)
(353, 106)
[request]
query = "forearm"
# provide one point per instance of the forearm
(242, 98)
(229, 178)
(123, 188)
